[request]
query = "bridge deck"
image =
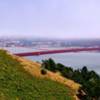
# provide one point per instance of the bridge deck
(56, 51)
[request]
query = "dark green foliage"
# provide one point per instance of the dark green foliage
(60, 67)
(49, 64)
(90, 80)
(17, 84)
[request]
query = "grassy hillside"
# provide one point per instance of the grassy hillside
(18, 84)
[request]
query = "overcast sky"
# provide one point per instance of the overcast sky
(50, 18)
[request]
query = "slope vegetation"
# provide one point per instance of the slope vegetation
(21, 80)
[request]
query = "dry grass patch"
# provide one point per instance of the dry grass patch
(34, 69)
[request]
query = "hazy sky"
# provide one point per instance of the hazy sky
(50, 18)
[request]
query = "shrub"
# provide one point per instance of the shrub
(43, 71)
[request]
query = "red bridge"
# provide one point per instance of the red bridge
(35, 53)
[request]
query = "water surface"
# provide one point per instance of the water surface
(75, 60)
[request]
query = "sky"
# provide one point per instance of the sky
(50, 18)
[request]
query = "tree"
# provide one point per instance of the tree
(60, 67)
(49, 64)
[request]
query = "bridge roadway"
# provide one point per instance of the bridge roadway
(67, 50)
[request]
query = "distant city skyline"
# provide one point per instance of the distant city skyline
(50, 18)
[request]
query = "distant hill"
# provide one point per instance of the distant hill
(21, 79)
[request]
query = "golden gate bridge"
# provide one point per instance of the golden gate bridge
(54, 51)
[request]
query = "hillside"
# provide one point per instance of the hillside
(21, 79)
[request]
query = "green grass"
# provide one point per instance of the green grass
(17, 84)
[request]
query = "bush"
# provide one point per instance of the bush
(43, 71)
